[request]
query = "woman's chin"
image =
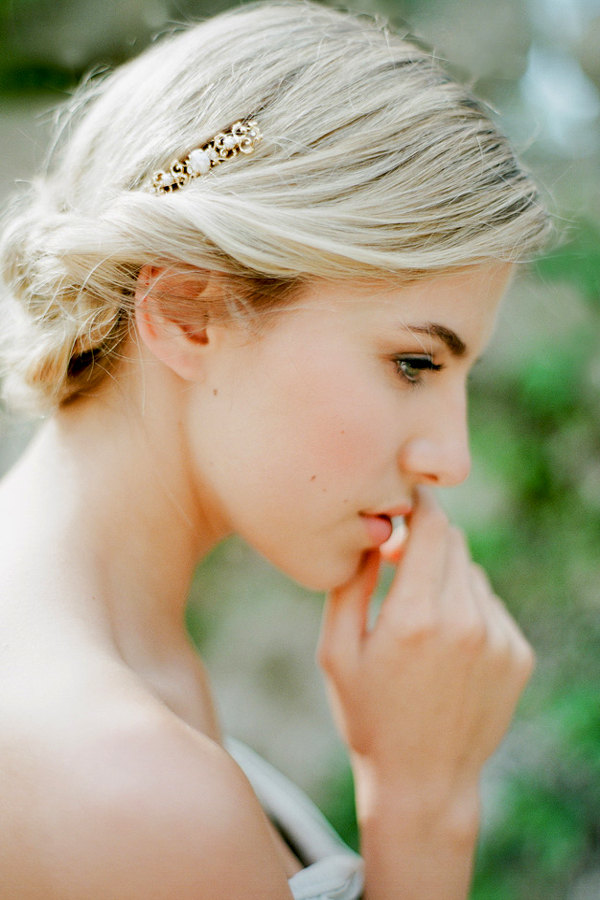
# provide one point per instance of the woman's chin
(323, 576)
(311, 566)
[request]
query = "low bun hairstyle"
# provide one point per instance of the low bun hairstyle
(373, 163)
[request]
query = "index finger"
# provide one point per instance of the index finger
(420, 572)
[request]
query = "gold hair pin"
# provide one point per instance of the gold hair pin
(241, 138)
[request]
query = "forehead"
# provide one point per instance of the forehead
(458, 300)
(453, 311)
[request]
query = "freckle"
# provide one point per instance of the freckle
(342, 432)
(312, 477)
(215, 392)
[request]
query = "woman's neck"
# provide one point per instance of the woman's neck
(107, 480)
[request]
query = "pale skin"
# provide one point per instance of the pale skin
(113, 779)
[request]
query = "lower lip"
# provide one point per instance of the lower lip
(379, 529)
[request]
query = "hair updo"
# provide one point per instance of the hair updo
(373, 163)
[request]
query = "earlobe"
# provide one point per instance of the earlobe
(177, 344)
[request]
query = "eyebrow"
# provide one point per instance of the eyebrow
(450, 338)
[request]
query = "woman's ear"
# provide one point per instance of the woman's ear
(170, 320)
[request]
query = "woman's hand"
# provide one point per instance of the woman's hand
(424, 697)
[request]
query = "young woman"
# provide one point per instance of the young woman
(248, 293)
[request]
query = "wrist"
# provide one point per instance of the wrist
(433, 809)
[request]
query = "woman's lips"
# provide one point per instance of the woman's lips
(388, 531)
(379, 528)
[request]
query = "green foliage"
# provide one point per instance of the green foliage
(549, 829)
(337, 802)
(537, 430)
(578, 258)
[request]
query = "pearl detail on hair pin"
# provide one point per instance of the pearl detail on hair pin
(241, 138)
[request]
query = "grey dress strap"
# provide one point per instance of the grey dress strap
(333, 870)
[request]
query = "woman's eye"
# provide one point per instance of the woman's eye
(411, 366)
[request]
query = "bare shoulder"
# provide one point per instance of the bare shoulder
(162, 812)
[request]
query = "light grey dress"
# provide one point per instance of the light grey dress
(334, 871)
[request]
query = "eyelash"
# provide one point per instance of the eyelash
(419, 362)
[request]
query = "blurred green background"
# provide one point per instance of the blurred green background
(532, 505)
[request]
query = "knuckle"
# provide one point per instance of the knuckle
(326, 658)
(526, 659)
(417, 630)
(518, 657)
(472, 636)
(333, 661)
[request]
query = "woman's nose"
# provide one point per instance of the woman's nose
(439, 455)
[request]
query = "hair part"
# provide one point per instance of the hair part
(373, 164)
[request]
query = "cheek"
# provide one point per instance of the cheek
(341, 427)
(301, 427)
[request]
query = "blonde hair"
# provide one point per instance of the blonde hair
(373, 163)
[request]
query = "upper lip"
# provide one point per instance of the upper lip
(391, 512)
